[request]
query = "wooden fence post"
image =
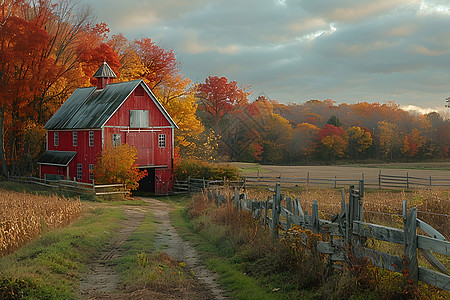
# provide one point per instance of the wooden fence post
(276, 211)
(307, 179)
(265, 212)
(379, 179)
(412, 265)
(430, 182)
(335, 181)
(407, 181)
(289, 208)
(315, 217)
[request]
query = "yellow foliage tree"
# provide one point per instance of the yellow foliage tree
(388, 132)
(117, 165)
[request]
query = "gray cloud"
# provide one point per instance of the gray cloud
(296, 50)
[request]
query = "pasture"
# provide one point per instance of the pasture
(423, 170)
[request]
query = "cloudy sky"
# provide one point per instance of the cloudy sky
(297, 50)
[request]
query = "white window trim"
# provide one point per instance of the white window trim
(79, 171)
(56, 139)
(91, 171)
(117, 142)
(162, 140)
(75, 138)
(91, 140)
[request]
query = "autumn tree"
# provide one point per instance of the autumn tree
(332, 142)
(388, 138)
(38, 47)
(218, 97)
(412, 143)
(117, 165)
(359, 140)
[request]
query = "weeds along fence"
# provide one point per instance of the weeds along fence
(348, 235)
(74, 186)
(382, 181)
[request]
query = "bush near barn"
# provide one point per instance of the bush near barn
(23, 217)
(209, 171)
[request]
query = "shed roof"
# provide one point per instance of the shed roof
(89, 108)
(57, 158)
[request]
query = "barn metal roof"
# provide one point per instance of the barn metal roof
(57, 158)
(105, 71)
(89, 108)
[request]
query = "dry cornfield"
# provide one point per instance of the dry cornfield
(380, 207)
(24, 217)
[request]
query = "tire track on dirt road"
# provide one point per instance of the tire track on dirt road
(170, 242)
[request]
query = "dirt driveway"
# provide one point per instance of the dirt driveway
(101, 282)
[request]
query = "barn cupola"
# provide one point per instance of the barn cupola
(105, 75)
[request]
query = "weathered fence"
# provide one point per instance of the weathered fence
(382, 181)
(195, 185)
(74, 186)
(348, 233)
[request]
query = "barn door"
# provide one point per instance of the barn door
(143, 142)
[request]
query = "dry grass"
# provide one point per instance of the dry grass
(380, 207)
(24, 217)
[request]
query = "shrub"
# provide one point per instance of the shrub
(200, 169)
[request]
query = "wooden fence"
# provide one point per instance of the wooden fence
(74, 186)
(382, 181)
(348, 233)
(195, 185)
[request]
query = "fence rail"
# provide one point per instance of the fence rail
(74, 186)
(348, 233)
(194, 185)
(382, 181)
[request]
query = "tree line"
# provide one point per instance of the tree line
(49, 48)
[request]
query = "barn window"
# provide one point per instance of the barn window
(139, 118)
(56, 138)
(75, 138)
(79, 171)
(91, 139)
(91, 171)
(117, 139)
(162, 140)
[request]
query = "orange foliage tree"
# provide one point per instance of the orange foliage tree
(117, 165)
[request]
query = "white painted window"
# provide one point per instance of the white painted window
(56, 138)
(117, 139)
(75, 138)
(91, 139)
(162, 140)
(91, 171)
(79, 171)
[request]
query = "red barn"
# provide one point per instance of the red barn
(93, 118)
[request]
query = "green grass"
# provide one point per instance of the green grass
(141, 241)
(221, 258)
(245, 168)
(51, 266)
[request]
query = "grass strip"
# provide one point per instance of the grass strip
(221, 260)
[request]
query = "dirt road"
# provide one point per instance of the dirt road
(101, 282)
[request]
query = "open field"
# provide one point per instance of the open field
(423, 170)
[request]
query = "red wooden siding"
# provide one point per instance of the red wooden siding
(85, 154)
(122, 116)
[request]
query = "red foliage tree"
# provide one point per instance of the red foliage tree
(219, 97)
